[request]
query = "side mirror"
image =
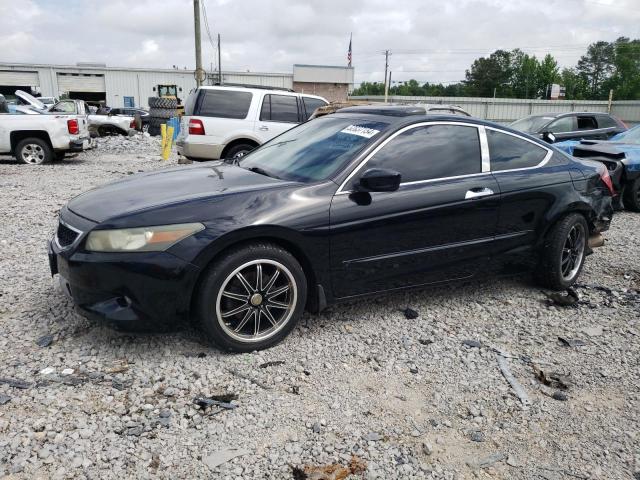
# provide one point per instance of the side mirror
(548, 137)
(379, 180)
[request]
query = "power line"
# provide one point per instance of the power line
(206, 27)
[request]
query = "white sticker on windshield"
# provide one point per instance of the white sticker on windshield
(360, 131)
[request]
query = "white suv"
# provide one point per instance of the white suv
(226, 122)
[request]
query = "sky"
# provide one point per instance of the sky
(434, 41)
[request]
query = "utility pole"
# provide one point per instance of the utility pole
(386, 71)
(196, 26)
(390, 84)
(219, 62)
(610, 100)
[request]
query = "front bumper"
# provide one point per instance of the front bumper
(144, 287)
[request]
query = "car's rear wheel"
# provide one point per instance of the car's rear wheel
(563, 252)
(251, 298)
(33, 151)
(631, 196)
(238, 151)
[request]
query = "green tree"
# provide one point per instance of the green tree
(625, 80)
(575, 85)
(547, 74)
(596, 66)
(486, 74)
(524, 80)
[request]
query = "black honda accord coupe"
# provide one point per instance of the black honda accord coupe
(359, 202)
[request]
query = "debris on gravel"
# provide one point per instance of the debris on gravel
(402, 396)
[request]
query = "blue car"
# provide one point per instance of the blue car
(621, 155)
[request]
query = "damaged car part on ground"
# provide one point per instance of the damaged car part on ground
(355, 203)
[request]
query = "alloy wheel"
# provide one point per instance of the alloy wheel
(256, 300)
(33, 153)
(572, 252)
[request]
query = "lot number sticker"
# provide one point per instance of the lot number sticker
(360, 131)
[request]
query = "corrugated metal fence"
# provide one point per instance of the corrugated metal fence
(505, 110)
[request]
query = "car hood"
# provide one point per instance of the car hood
(148, 191)
(31, 100)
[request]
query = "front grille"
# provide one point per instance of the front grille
(65, 235)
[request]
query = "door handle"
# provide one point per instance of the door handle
(264, 128)
(477, 193)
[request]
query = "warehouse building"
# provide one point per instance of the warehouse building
(129, 87)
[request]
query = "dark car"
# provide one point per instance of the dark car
(621, 155)
(570, 126)
(354, 203)
(132, 112)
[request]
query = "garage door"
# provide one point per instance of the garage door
(80, 82)
(19, 79)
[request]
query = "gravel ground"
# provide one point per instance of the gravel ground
(411, 398)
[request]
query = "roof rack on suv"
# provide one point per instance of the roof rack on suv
(244, 85)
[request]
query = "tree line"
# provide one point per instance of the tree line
(514, 74)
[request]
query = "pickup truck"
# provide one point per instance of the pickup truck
(37, 139)
(99, 125)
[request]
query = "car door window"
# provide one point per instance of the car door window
(508, 152)
(587, 123)
(279, 108)
(562, 125)
(430, 152)
(225, 104)
(311, 104)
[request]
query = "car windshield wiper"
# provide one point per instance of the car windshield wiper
(262, 171)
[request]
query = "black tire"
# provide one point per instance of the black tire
(222, 274)
(554, 271)
(238, 150)
(109, 130)
(158, 102)
(154, 126)
(33, 151)
(631, 195)
(163, 113)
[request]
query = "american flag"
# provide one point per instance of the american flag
(349, 52)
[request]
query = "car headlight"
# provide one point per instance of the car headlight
(142, 239)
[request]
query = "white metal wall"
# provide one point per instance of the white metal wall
(510, 109)
(140, 85)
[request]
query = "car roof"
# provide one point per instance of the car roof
(258, 89)
(400, 110)
(564, 114)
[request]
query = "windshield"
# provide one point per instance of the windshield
(531, 124)
(630, 136)
(313, 151)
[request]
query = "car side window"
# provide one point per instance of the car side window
(508, 152)
(311, 104)
(563, 124)
(225, 104)
(64, 107)
(279, 108)
(587, 123)
(431, 151)
(605, 121)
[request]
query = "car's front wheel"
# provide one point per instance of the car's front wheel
(563, 252)
(251, 298)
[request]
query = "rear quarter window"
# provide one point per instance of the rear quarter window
(508, 152)
(605, 121)
(224, 104)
